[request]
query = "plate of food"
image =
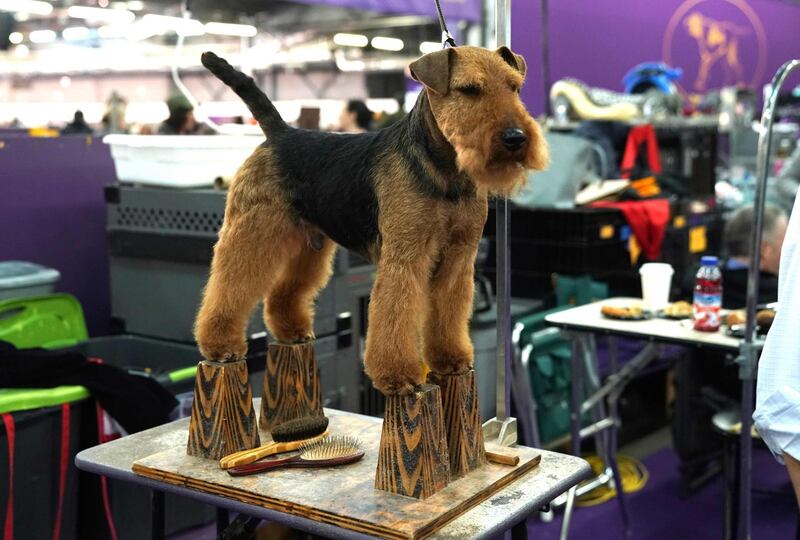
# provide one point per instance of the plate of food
(676, 311)
(737, 321)
(625, 312)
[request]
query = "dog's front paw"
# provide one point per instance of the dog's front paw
(394, 378)
(450, 362)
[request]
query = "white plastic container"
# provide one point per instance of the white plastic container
(20, 279)
(656, 283)
(179, 161)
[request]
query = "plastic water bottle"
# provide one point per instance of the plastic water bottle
(707, 295)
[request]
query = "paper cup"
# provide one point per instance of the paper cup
(656, 283)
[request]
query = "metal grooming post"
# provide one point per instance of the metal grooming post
(502, 429)
(751, 347)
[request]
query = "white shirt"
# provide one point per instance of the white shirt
(777, 414)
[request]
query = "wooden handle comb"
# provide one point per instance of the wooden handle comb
(254, 454)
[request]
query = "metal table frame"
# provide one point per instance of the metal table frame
(600, 397)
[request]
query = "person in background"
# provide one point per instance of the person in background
(737, 239)
(390, 119)
(355, 117)
(181, 119)
(78, 126)
(777, 414)
(788, 180)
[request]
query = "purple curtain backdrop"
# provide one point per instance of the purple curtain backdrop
(715, 42)
(468, 10)
(52, 212)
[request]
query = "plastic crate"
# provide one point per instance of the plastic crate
(20, 279)
(45, 321)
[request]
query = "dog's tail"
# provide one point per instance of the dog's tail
(245, 87)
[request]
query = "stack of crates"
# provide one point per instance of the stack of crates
(543, 242)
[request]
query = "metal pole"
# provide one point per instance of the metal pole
(748, 356)
(502, 428)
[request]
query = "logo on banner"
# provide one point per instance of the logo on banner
(716, 43)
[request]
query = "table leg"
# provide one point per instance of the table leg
(745, 459)
(612, 461)
(568, 513)
(223, 520)
(576, 395)
(520, 530)
(157, 514)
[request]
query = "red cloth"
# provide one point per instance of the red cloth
(648, 221)
(638, 135)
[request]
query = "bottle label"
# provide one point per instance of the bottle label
(706, 311)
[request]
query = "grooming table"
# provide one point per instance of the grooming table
(601, 397)
(342, 502)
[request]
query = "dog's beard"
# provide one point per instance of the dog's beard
(491, 166)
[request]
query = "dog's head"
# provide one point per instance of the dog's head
(474, 97)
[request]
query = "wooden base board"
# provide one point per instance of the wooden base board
(291, 384)
(343, 496)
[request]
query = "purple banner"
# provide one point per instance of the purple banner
(715, 42)
(467, 10)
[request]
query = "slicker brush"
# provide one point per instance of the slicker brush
(327, 452)
(287, 437)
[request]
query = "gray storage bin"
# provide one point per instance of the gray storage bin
(19, 279)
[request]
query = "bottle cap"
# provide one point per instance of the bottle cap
(709, 260)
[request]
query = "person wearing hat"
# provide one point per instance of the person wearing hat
(181, 119)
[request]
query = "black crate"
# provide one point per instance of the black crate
(577, 225)
(566, 257)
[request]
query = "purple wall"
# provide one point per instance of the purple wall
(52, 212)
(597, 41)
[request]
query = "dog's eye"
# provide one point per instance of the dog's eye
(470, 90)
(515, 88)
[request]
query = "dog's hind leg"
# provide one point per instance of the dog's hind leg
(242, 271)
(289, 305)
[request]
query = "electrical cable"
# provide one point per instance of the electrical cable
(634, 478)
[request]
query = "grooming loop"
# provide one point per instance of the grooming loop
(462, 421)
(413, 458)
(291, 384)
(223, 418)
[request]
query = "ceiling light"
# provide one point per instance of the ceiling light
(179, 25)
(387, 43)
(115, 16)
(75, 33)
(226, 29)
(36, 7)
(135, 5)
(15, 37)
(42, 36)
(21, 51)
(350, 40)
(429, 46)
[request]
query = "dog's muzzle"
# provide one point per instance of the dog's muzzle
(513, 139)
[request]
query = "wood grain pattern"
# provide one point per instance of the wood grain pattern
(413, 458)
(291, 384)
(346, 496)
(223, 417)
(462, 420)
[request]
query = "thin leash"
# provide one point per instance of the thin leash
(447, 38)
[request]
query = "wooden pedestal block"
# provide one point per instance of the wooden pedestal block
(413, 458)
(223, 418)
(462, 420)
(291, 384)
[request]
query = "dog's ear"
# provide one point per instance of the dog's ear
(512, 59)
(433, 70)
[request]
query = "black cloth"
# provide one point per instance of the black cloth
(734, 288)
(135, 402)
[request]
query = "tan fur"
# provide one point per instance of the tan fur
(422, 298)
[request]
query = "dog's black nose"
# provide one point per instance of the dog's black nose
(513, 138)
